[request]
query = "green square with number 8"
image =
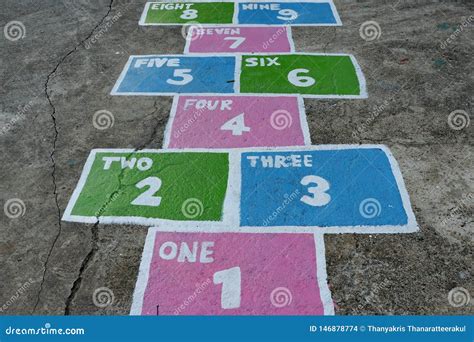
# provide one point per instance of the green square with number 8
(188, 12)
(306, 74)
(176, 186)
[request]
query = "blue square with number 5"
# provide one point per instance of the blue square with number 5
(288, 13)
(324, 188)
(167, 75)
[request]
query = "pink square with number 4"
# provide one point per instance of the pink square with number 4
(232, 274)
(227, 121)
(235, 39)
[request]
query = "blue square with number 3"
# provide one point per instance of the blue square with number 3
(155, 75)
(323, 188)
(287, 13)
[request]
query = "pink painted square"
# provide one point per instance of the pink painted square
(232, 274)
(236, 121)
(235, 39)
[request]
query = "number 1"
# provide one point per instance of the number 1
(231, 287)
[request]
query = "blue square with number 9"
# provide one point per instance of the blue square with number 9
(168, 75)
(324, 188)
(288, 13)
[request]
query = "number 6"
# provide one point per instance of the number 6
(300, 81)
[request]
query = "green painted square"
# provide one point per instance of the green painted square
(189, 12)
(331, 75)
(193, 186)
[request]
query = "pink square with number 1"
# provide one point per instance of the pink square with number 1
(232, 121)
(238, 39)
(232, 274)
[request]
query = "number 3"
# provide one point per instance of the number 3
(320, 196)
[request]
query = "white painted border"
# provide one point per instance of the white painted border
(174, 110)
(143, 273)
(231, 209)
(322, 275)
(235, 16)
(187, 44)
(232, 195)
(147, 256)
(238, 69)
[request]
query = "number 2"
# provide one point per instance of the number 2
(183, 74)
(231, 287)
(148, 198)
(237, 41)
(320, 196)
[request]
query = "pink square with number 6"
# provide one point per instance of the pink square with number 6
(235, 39)
(227, 121)
(232, 274)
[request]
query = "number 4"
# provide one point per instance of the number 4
(236, 125)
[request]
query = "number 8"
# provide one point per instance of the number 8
(189, 14)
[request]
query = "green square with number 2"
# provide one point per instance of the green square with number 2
(306, 74)
(189, 12)
(178, 186)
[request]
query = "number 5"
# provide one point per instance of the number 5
(320, 196)
(183, 74)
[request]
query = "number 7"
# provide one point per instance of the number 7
(237, 41)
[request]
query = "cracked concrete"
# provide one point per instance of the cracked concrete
(53, 174)
(61, 73)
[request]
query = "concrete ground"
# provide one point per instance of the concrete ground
(56, 77)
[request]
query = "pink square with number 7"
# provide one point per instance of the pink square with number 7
(235, 39)
(232, 274)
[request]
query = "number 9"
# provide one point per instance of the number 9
(287, 14)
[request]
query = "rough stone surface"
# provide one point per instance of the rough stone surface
(55, 78)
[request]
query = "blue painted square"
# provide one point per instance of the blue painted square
(178, 74)
(362, 189)
(289, 13)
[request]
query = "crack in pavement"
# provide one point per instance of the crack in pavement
(153, 132)
(56, 135)
(95, 228)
